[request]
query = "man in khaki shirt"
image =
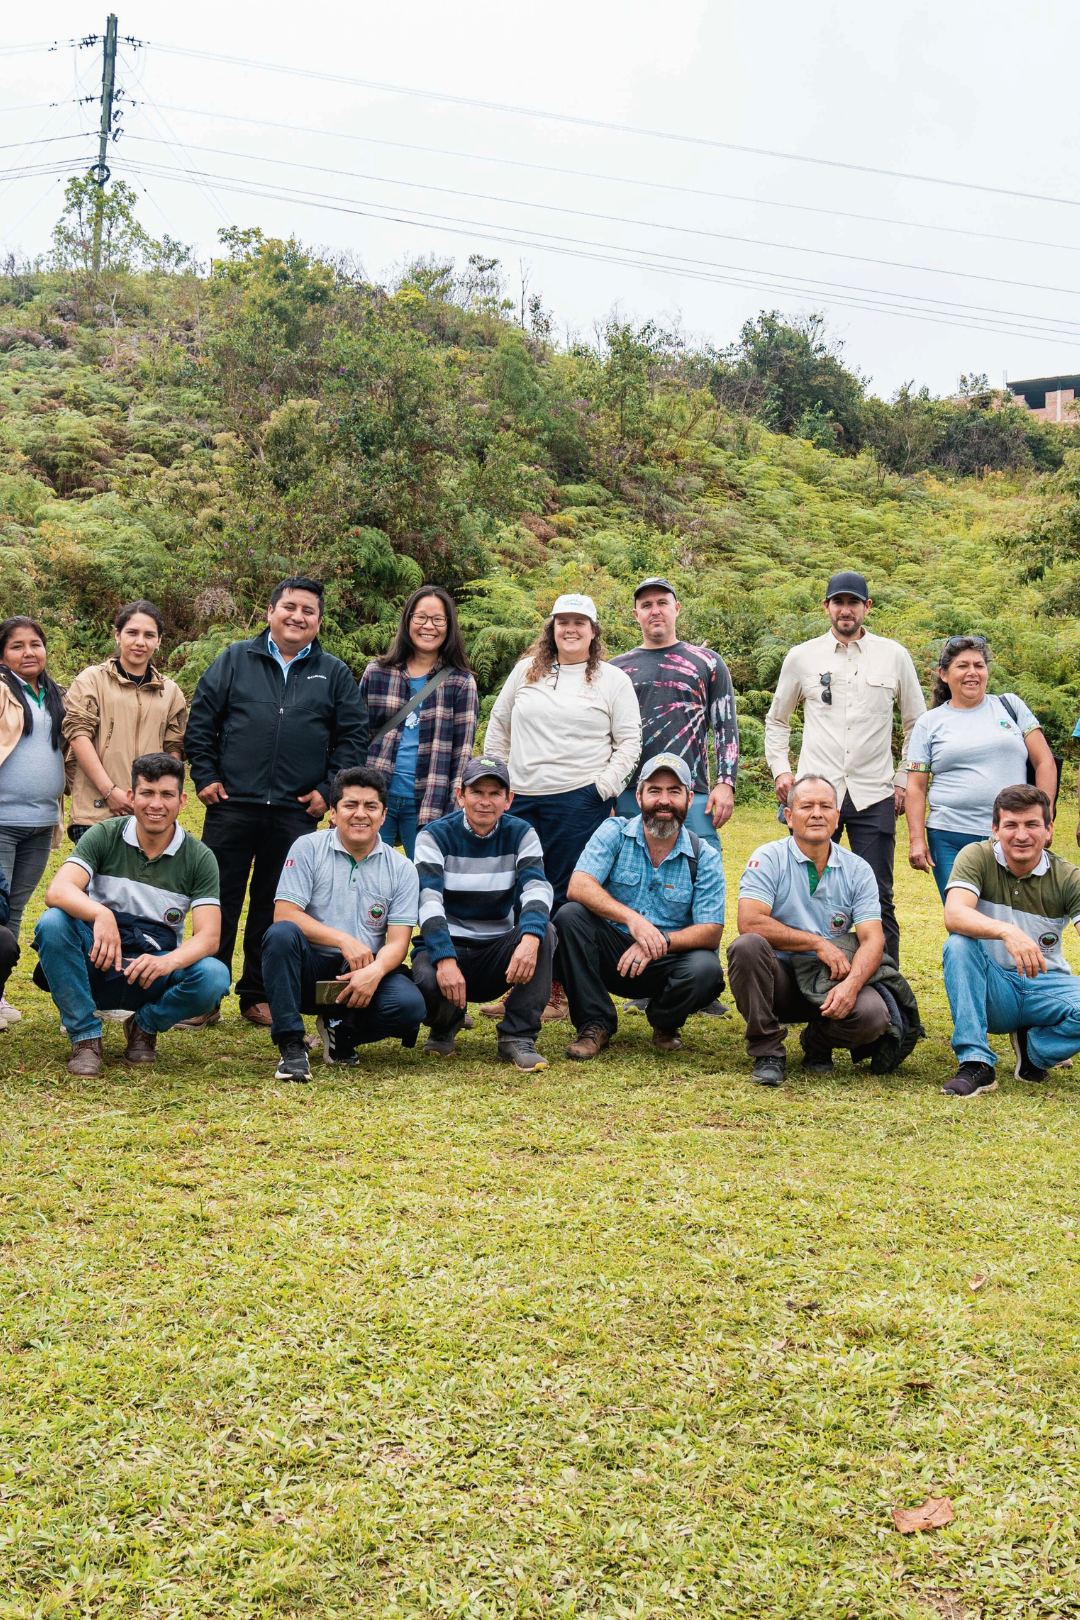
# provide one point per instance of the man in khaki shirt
(849, 683)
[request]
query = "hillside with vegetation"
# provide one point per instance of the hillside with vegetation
(191, 435)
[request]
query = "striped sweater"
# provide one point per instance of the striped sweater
(474, 889)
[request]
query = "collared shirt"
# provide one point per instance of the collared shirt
(37, 697)
(279, 658)
(162, 888)
(970, 754)
(362, 898)
(780, 876)
(847, 741)
(617, 856)
(444, 734)
(1043, 904)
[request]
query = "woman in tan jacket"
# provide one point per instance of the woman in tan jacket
(115, 712)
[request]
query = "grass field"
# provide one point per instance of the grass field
(630, 1338)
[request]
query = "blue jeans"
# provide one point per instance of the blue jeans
(63, 945)
(988, 999)
(24, 855)
(944, 847)
(564, 823)
(697, 821)
(291, 968)
(400, 824)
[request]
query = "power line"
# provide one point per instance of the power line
(621, 179)
(619, 129)
(645, 259)
(622, 219)
(44, 45)
(44, 140)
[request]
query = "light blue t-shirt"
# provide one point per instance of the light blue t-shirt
(32, 776)
(403, 784)
(362, 898)
(780, 875)
(972, 754)
(617, 856)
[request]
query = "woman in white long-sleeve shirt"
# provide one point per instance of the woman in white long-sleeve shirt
(569, 726)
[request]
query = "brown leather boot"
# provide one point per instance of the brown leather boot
(259, 1013)
(141, 1043)
(87, 1058)
(589, 1041)
(494, 1009)
(666, 1040)
(557, 1007)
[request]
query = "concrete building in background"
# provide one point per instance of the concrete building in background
(1051, 398)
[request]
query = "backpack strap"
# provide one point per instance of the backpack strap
(692, 860)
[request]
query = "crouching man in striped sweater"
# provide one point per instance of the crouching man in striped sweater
(485, 906)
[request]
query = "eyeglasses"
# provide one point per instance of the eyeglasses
(958, 641)
(429, 618)
(826, 688)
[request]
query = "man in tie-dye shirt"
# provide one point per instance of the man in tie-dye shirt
(683, 692)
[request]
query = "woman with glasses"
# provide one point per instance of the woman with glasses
(963, 751)
(423, 707)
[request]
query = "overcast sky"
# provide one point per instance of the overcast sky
(977, 93)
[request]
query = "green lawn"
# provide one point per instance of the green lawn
(631, 1338)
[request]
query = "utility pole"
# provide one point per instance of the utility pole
(101, 168)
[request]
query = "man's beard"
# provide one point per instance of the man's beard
(666, 826)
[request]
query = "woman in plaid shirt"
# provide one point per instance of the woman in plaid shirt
(423, 758)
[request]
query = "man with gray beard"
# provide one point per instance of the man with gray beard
(643, 917)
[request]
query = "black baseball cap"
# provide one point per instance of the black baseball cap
(656, 584)
(847, 584)
(485, 765)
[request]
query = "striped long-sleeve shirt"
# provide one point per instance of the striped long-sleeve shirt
(474, 889)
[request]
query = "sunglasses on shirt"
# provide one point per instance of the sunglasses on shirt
(826, 688)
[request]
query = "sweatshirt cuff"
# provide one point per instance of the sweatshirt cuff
(533, 925)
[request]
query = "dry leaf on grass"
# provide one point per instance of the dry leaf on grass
(935, 1512)
(976, 1282)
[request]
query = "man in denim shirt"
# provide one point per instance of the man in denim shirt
(644, 915)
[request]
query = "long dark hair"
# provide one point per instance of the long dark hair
(129, 610)
(54, 698)
(452, 650)
(545, 654)
(952, 649)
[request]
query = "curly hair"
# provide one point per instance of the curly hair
(545, 654)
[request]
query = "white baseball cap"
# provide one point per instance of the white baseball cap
(574, 602)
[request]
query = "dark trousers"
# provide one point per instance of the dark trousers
(872, 834)
(484, 968)
(765, 993)
(9, 955)
(677, 986)
(291, 968)
(243, 836)
(564, 823)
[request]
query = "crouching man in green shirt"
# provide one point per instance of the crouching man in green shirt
(113, 935)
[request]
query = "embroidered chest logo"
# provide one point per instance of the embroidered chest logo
(1048, 941)
(377, 912)
(174, 916)
(838, 922)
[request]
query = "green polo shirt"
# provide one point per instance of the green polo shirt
(162, 889)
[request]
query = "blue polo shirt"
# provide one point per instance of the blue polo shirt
(617, 856)
(786, 880)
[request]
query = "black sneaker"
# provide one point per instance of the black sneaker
(293, 1063)
(334, 1049)
(1025, 1069)
(971, 1080)
(768, 1071)
(816, 1059)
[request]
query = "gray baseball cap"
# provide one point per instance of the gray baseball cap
(667, 762)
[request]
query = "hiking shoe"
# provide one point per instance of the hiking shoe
(971, 1080)
(641, 1006)
(293, 1063)
(494, 1009)
(259, 1014)
(8, 1013)
(666, 1040)
(203, 1021)
(523, 1055)
(816, 1059)
(441, 1042)
(768, 1071)
(1025, 1069)
(87, 1058)
(558, 1007)
(588, 1042)
(715, 1009)
(334, 1048)
(468, 1022)
(141, 1043)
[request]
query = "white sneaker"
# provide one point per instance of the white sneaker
(8, 1013)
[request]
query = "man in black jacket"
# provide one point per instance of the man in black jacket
(272, 722)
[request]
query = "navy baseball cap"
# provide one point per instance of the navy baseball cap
(655, 584)
(847, 584)
(485, 765)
